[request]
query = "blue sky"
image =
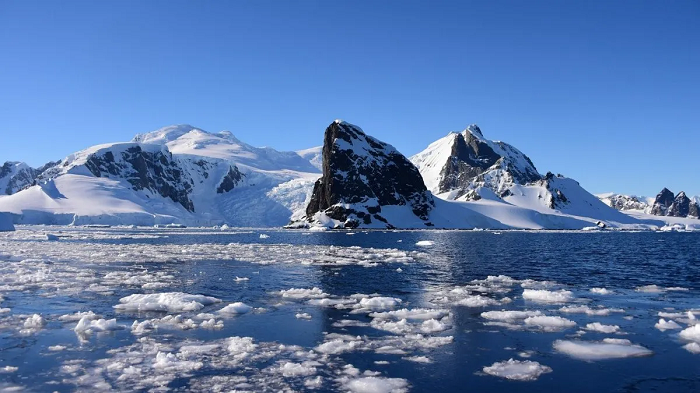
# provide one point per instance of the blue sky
(605, 92)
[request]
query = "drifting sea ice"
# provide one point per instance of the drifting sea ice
(598, 350)
(235, 308)
(691, 334)
(599, 327)
(545, 296)
(693, 348)
(600, 291)
(425, 243)
(549, 323)
(166, 302)
(666, 325)
(518, 370)
(589, 311)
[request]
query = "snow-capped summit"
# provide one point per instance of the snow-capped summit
(459, 163)
(367, 183)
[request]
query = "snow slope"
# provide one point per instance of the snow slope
(177, 174)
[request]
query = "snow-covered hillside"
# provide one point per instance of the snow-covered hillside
(182, 174)
(177, 174)
(459, 163)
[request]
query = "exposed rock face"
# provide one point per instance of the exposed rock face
(464, 161)
(15, 176)
(361, 176)
(625, 202)
(231, 180)
(666, 204)
(152, 170)
(662, 202)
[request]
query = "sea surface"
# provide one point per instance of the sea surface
(363, 311)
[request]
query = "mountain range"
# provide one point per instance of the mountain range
(184, 175)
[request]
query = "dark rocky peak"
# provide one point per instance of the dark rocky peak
(362, 174)
(662, 202)
(680, 206)
(151, 169)
(475, 130)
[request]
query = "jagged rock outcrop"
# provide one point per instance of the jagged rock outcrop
(362, 177)
(461, 162)
(666, 204)
(624, 202)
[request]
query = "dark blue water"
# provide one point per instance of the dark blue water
(619, 262)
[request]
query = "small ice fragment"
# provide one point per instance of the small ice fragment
(264, 236)
(239, 279)
(667, 325)
(693, 348)
(235, 308)
(545, 296)
(606, 349)
(519, 370)
(599, 327)
(303, 315)
(425, 243)
(600, 291)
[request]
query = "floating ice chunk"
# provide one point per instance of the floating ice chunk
(600, 291)
(504, 315)
(303, 315)
(433, 326)
(589, 311)
(667, 325)
(166, 302)
(549, 323)
(239, 279)
(691, 334)
(693, 348)
(170, 362)
(599, 327)
(336, 346)
(35, 321)
(399, 270)
(545, 296)
(650, 289)
(5, 310)
(328, 302)
(264, 236)
(241, 347)
(425, 243)
(303, 293)
(78, 316)
(51, 237)
(212, 324)
(235, 308)
(606, 349)
(8, 369)
(376, 385)
(379, 303)
(290, 369)
(88, 326)
(418, 359)
(519, 370)
(476, 301)
(414, 314)
(57, 348)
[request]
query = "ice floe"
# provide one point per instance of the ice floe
(599, 350)
(549, 323)
(519, 370)
(691, 334)
(584, 309)
(599, 327)
(667, 325)
(235, 308)
(166, 302)
(545, 296)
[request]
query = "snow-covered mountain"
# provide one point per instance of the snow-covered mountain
(366, 182)
(456, 165)
(465, 166)
(666, 203)
(177, 174)
(182, 174)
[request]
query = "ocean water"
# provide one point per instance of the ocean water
(363, 311)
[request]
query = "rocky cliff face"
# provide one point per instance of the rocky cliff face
(461, 162)
(362, 178)
(15, 176)
(666, 204)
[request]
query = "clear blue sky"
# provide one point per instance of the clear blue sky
(606, 92)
